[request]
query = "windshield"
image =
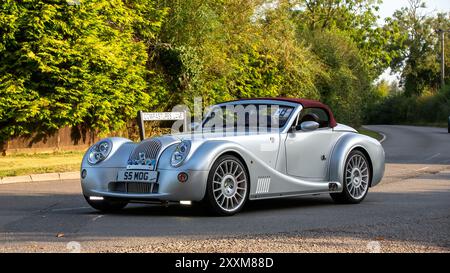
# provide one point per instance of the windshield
(248, 117)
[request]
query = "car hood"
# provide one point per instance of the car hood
(217, 135)
(198, 138)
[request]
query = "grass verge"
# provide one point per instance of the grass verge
(428, 124)
(370, 133)
(24, 164)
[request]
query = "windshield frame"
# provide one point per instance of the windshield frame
(284, 129)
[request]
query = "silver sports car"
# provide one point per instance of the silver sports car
(242, 150)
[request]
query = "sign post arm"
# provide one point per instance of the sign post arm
(185, 129)
(147, 116)
(140, 121)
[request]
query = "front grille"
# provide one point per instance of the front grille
(133, 187)
(150, 148)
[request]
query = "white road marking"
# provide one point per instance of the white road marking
(422, 169)
(433, 156)
(97, 217)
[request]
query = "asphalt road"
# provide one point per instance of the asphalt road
(407, 212)
(415, 144)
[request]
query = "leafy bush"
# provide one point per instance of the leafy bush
(73, 64)
(345, 86)
(94, 65)
(402, 109)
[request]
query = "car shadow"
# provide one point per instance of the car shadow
(198, 209)
(383, 214)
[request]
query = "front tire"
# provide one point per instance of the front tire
(107, 204)
(228, 186)
(356, 179)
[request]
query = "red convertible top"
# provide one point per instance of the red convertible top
(306, 104)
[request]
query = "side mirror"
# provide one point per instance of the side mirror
(307, 126)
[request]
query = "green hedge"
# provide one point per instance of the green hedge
(401, 109)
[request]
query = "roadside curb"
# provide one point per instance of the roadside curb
(40, 177)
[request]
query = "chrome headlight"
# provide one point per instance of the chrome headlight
(99, 152)
(180, 153)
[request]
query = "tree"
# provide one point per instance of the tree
(357, 19)
(223, 50)
(346, 86)
(418, 61)
(77, 65)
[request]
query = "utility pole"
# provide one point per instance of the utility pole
(441, 32)
(442, 60)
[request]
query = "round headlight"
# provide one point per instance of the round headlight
(99, 152)
(180, 153)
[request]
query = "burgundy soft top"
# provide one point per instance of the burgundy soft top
(306, 104)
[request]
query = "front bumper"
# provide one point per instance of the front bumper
(169, 188)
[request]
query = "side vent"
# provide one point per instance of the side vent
(263, 184)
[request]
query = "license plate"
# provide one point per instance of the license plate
(137, 176)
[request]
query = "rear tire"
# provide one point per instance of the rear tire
(356, 179)
(228, 186)
(107, 204)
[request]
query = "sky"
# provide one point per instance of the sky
(388, 7)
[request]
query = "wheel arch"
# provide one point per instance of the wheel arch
(241, 158)
(370, 147)
(208, 152)
(366, 154)
(209, 196)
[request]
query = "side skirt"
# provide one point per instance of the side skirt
(333, 187)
